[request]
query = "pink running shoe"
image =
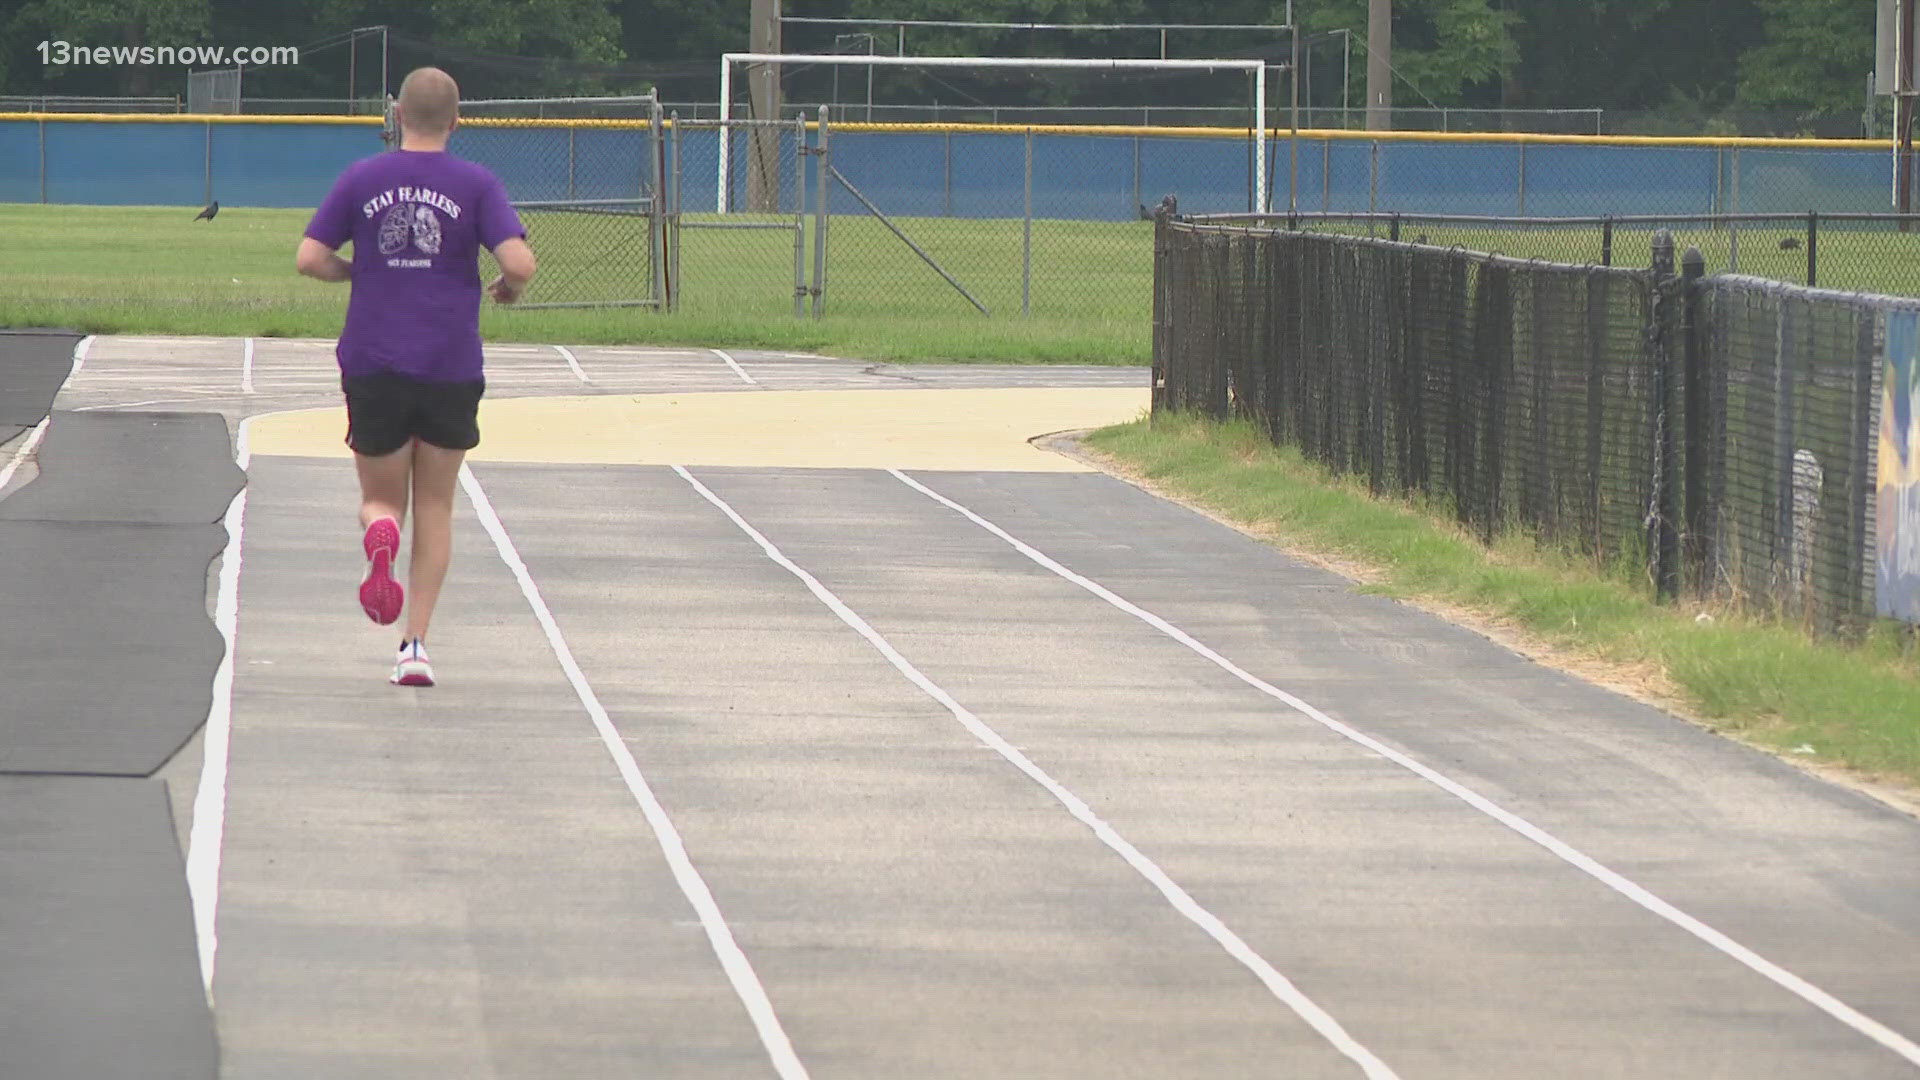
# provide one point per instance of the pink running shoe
(380, 595)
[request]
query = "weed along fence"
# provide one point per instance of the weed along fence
(1734, 438)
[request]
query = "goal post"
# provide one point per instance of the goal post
(1256, 68)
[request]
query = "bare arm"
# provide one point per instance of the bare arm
(317, 260)
(516, 269)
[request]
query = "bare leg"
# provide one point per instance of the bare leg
(383, 485)
(436, 471)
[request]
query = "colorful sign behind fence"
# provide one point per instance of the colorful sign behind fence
(1897, 573)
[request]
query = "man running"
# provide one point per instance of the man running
(409, 353)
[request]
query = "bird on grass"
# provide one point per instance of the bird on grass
(1791, 243)
(207, 214)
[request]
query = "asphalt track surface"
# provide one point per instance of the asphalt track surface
(972, 771)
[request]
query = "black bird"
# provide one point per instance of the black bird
(207, 214)
(1791, 243)
(1168, 205)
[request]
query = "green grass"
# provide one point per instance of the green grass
(1848, 257)
(155, 270)
(1856, 705)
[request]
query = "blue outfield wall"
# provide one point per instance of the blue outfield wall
(1105, 176)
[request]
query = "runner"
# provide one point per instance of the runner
(410, 363)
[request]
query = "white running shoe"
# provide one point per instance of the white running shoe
(412, 668)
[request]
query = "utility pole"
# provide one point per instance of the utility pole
(763, 89)
(1379, 65)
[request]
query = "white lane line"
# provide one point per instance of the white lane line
(210, 801)
(1787, 980)
(24, 450)
(246, 369)
(1283, 988)
(567, 354)
(735, 365)
(734, 961)
(211, 394)
(80, 356)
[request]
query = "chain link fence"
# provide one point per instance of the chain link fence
(1877, 253)
(590, 193)
(1025, 224)
(1781, 480)
(738, 217)
(1726, 437)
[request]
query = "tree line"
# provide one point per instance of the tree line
(1684, 58)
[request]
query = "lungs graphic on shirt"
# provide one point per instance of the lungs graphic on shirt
(396, 228)
(426, 229)
(410, 222)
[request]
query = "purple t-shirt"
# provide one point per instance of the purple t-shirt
(417, 220)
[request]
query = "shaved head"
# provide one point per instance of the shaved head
(429, 101)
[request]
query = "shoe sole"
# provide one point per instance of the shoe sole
(413, 678)
(381, 597)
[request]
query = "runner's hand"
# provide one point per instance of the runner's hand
(502, 291)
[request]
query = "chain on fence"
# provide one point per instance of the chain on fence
(1718, 434)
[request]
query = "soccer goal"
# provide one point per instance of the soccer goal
(1256, 69)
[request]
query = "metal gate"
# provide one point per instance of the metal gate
(589, 192)
(728, 226)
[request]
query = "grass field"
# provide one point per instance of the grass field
(1848, 258)
(1856, 706)
(155, 270)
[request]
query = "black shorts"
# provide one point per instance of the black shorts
(384, 411)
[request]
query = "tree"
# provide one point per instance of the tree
(1816, 56)
(1445, 50)
(1630, 54)
(91, 23)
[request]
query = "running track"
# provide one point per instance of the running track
(744, 770)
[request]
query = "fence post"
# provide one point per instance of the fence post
(657, 181)
(1663, 536)
(1813, 248)
(1523, 178)
(43, 159)
(209, 166)
(1026, 239)
(947, 190)
(1136, 172)
(1160, 329)
(821, 218)
(1373, 179)
(1326, 175)
(1606, 241)
(672, 231)
(1393, 229)
(800, 215)
(1697, 442)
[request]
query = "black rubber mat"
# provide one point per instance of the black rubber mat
(108, 665)
(33, 366)
(99, 977)
(160, 468)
